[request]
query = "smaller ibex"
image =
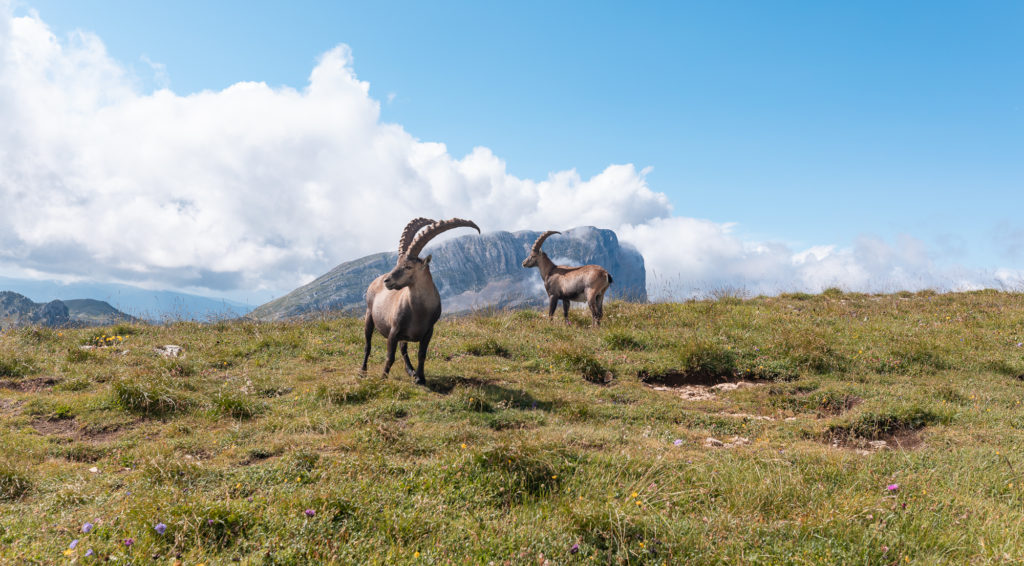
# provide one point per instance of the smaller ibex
(562, 283)
(404, 304)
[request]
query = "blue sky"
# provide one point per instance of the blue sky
(804, 123)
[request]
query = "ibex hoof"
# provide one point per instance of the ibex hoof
(420, 380)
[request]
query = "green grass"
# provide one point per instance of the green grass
(532, 441)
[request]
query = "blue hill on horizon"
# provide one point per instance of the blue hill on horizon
(153, 305)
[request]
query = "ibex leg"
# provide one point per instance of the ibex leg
(392, 346)
(408, 364)
(368, 332)
(594, 302)
(421, 357)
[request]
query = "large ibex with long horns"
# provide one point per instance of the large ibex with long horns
(586, 283)
(403, 305)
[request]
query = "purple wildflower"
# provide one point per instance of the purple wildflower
(129, 541)
(86, 527)
(73, 544)
(678, 442)
(160, 528)
(893, 487)
(209, 521)
(575, 548)
(89, 552)
(310, 512)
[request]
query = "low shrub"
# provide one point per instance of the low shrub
(237, 405)
(622, 340)
(708, 360)
(14, 482)
(150, 397)
(11, 366)
(582, 362)
(488, 347)
(879, 424)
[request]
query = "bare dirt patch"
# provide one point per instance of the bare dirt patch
(98, 435)
(901, 440)
(8, 406)
(676, 378)
(64, 427)
(833, 407)
(70, 429)
(29, 385)
(736, 441)
(693, 386)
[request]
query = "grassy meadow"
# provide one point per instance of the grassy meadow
(533, 442)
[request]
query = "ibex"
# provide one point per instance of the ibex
(580, 284)
(403, 305)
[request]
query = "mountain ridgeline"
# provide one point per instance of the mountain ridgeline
(18, 310)
(473, 272)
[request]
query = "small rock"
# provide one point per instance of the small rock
(87, 347)
(169, 351)
(94, 470)
(878, 444)
(714, 442)
(739, 441)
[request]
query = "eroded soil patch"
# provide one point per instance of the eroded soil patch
(9, 405)
(63, 427)
(677, 379)
(71, 429)
(693, 386)
(901, 440)
(98, 435)
(28, 385)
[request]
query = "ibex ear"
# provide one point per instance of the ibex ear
(426, 260)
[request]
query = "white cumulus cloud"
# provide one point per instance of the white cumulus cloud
(254, 187)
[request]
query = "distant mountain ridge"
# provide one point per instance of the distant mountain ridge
(142, 303)
(18, 310)
(473, 272)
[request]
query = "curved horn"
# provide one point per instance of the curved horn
(411, 228)
(434, 229)
(540, 240)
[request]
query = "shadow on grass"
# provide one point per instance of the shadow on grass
(511, 398)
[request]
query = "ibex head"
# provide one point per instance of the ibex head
(409, 265)
(532, 259)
